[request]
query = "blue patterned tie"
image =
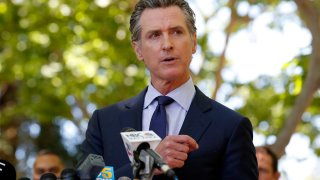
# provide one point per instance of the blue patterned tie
(158, 122)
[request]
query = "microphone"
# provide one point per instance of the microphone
(24, 178)
(91, 167)
(132, 139)
(7, 170)
(158, 162)
(48, 176)
(124, 178)
(140, 143)
(69, 174)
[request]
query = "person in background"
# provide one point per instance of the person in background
(267, 164)
(201, 138)
(47, 162)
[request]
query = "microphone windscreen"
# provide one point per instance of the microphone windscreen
(7, 170)
(24, 178)
(69, 174)
(128, 129)
(91, 166)
(124, 178)
(48, 176)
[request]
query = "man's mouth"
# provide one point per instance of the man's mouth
(169, 59)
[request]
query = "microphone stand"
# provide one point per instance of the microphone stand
(143, 166)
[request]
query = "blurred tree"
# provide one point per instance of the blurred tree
(282, 112)
(310, 14)
(59, 60)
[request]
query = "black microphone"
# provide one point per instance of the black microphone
(7, 170)
(158, 162)
(145, 146)
(128, 129)
(69, 174)
(91, 167)
(48, 176)
(24, 178)
(124, 178)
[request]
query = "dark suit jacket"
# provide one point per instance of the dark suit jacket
(225, 143)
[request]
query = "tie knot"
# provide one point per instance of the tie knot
(164, 100)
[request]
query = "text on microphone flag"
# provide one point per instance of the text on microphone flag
(133, 139)
(107, 173)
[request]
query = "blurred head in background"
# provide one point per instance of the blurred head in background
(47, 161)
(267, 164)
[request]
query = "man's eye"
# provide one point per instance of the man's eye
(54, 170)
(40, 171)
(154, 35)
(177, 32)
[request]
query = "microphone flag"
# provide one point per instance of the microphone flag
(107, 173)
(133, 139)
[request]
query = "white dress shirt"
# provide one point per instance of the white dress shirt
(176, 111)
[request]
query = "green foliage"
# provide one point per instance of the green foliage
(52, 50)
(269, 100)
(59, 56)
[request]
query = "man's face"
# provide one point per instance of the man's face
(166, 46)
(266, 171)
(45, 164)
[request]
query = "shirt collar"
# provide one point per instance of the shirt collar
(179, 94)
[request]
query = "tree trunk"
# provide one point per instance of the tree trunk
(311, 16)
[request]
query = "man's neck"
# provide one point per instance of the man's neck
(164, 86)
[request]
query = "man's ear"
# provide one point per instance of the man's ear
(194, 41)
(137, 49)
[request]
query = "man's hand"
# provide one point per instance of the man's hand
(174, 149)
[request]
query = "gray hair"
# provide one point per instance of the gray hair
(135, 27)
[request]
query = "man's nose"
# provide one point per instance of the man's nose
(167, 43)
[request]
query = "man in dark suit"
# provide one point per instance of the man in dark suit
(204, 139)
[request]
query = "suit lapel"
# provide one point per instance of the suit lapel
(196, 123)
(132, 111)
